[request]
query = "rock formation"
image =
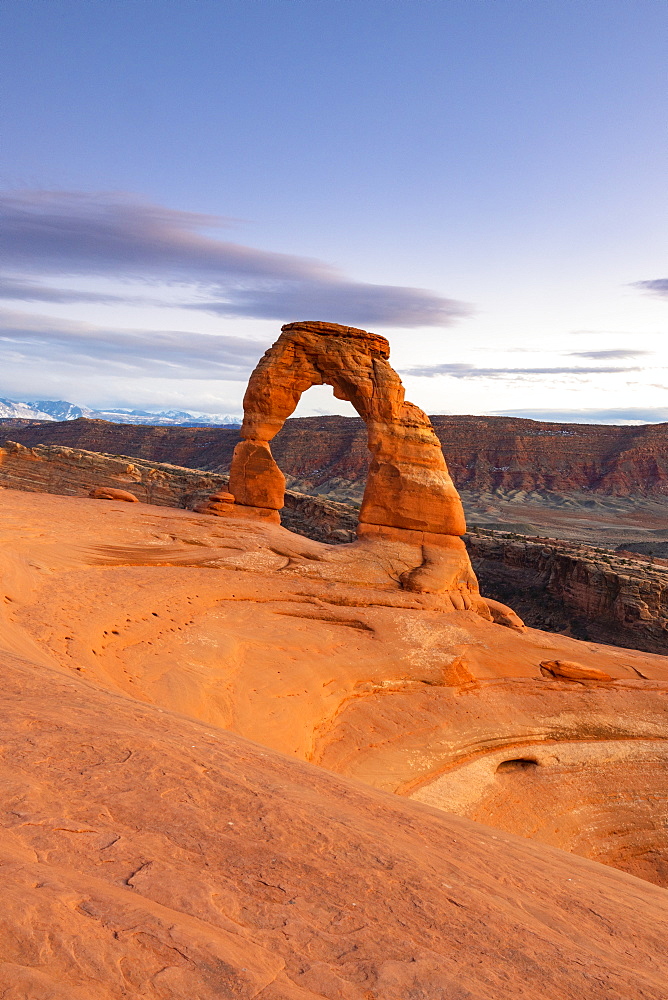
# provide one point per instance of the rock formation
(409, 498)
(109, 493)
(408, 485)
(588, 593)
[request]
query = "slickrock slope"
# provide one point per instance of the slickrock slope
(316, 651)
(581, 591)
(147, 855)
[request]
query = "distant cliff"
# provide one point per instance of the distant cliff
(329, 454)
(588, 593)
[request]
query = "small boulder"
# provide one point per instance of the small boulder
(223, 496)
(107, 493)
(503, 615)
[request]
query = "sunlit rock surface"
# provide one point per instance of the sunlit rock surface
(317, 651)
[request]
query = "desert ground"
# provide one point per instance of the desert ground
(226, 749)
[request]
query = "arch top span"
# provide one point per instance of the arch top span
(408, 487)
(308, 354)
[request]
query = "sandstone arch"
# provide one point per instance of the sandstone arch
(409, 486)
(411, 517)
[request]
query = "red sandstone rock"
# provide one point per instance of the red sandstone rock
(408, 485)
(106, 493)
(255, 479)
(226, 508)
(318, 652)
(409, 495)
(145, 854)
(504, 615)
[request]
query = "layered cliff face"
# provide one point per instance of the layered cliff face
(330, 454)
(192, 447)
(488, 454)
(509, 453)
(578, 590)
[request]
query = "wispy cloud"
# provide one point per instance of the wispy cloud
(620, 415)
(74, 234)
(79, 348)
(24, 290)
(659, 286)
(613, 354)
(473, 372)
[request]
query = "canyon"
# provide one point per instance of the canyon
(619, 598)
(601, 485)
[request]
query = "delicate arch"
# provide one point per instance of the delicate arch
(408, 486)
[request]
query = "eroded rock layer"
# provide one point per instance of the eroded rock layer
(583, 591)
(75, 472)
(330, 454)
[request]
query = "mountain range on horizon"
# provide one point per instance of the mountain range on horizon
(62, 409)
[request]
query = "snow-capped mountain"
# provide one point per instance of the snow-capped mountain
(61, 409)
(173, 418)
(11, 410)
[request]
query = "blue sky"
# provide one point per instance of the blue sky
(483, 181)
